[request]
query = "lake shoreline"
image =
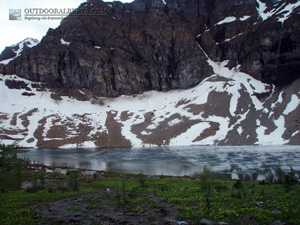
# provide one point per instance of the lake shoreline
(240, 162)
(84, 196)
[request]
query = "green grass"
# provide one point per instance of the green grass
(14, 204)
(226, 202)
(215, 199)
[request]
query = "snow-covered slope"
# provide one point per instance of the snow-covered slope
(19, 47)
(282, 11)
(227, 108)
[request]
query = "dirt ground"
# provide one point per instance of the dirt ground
(98, 208)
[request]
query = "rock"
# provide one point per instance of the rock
(246, 219)
(259, 204)
(223, 223)
(28, 94)
(276, 211)
(184, 188)
(207, 222)
(251, 192)
(277, 223)
(168, 221)
(72, 220)
(25, 184)
(132, 54)
(13, 84)
(147, 45)
(3, 170)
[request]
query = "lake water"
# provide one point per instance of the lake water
(241, 162)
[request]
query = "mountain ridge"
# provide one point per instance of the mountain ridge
(150, 73)
(148, 45)
(228, 108)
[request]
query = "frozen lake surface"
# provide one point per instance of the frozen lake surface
(246, 162)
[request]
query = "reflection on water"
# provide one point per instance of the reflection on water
(243, 162)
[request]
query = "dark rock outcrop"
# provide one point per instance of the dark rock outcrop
(149, 45)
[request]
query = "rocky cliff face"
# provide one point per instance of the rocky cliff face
(161, 45)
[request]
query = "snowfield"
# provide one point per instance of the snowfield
(224, 109)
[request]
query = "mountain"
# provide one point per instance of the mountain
(13, 51)
(154, 72)
(154, 45)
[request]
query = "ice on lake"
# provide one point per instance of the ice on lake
(235, 162)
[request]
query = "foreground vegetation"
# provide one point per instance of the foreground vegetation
(119, 198)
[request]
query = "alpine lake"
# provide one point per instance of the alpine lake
(231, 162)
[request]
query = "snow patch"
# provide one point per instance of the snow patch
(190, 135)
(240, 80)
(279, 100)
(229, 39)
(244, 18)
(287, 11)
(30, 42)
(146, 132)
(284, 11)
(86, 144)
(262, 7)
(260, 130)
(126, 131)
(228, 19)
(174, 122)
(295, 133)
(81, 92)
(63, 42)
(240, 130)
(292, 105)
(274, 138)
